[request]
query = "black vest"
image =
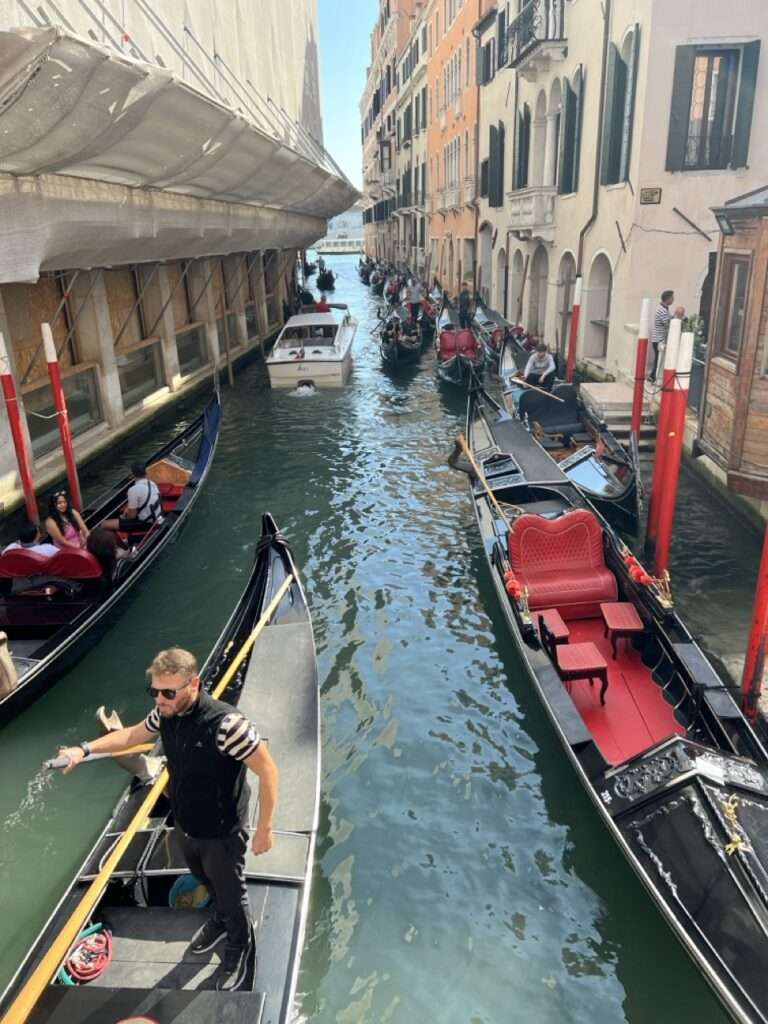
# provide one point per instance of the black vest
(208, 791)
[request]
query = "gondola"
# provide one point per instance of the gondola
(587, 451)
(400, 338)
(53, 609)
(492, 328)
(459, 354)
(364, 269)
(135, 863)
(377, 280)
(676, 773)
(326, 281)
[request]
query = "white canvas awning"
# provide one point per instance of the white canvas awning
(165, 171)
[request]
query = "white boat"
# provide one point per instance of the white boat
(314, 348)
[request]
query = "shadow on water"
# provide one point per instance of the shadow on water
(462, 876)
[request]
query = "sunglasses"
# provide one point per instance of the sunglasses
(164, 691)
(60, 494)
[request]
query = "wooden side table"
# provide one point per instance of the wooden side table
(621, 620)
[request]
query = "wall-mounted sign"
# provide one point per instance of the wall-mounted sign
(649, 196)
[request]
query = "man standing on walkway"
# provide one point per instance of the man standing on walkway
(208, 746)
(661, 319)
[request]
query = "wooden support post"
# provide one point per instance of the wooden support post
(574, 334)
(674, 451)
(754, 664)
(23, 460)
(60, 402)
(662, 426)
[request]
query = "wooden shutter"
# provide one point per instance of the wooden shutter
(479, 63)
(493, 165)
(629, 106)
(750, 55)
(501, 42)
(608, 114)
(682, 84)
(501, 163)
(579, 82)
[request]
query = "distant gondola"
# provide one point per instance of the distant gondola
(400, 338)
(458, 352)
(53, 608)
(151, 976)
(326, 281)
(492, 329)
(588, 453)
(676, 773)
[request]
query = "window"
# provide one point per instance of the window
(732, 302)
(140, 372)
(484, 178)
(496, 166)
(191, 349)
(82, 396)
(713, 94)
(523, 147)
(619, 108)
(570, 145)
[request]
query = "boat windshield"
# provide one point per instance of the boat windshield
(321, 335)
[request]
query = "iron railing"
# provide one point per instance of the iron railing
(539, 21)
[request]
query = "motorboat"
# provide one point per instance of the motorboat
(314, 347)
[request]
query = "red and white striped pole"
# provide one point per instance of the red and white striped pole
(754, 665)
(662, 427)
(17, 433)
(574, 332)
(674, 452)
(640, 363)
(61, 408)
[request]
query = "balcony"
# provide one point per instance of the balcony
(536, 38)
(532, 212)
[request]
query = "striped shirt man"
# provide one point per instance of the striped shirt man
(661, 319)
(236, 736)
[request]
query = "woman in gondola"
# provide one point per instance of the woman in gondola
(64, 524)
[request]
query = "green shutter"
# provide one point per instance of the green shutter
(750, 55)
(629, 106)
(568, 140)
(493, 166)
(518, 154)
(682, 84)
(501, 163)
(608, 115)
(579, 82)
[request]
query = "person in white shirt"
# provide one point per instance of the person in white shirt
(29, 540)
(143, 506)
(540, 368)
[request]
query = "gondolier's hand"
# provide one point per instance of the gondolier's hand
(74, 754)
(262, 840)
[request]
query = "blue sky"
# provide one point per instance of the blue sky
(345, 29)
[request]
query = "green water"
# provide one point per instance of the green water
(462, 876)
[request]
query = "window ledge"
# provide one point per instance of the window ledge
(615, 186)
(725, 363)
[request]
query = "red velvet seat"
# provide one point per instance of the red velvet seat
(447, 344)
(71, 564)
(561, 563)
(467, 344)
(497, 337)
(169, 495)
(20, 562)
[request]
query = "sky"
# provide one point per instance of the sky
(345, 30)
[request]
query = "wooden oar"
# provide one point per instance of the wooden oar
(461, 441)
(525, 384)
(62, 762)
(25, 1001)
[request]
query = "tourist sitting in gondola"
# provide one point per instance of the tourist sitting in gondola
(64, 524)
(143, 508)
(30, 540)
(540, 369)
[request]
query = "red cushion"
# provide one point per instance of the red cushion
(170, 490)
(467, 343)
(583, 657)
(447, 344)
(71, 564)
(20, 562)
(561, 563)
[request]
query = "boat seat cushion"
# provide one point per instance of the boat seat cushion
(447, 344)
(68, 564)
(561, 563)
(19, 562)
(467, 344)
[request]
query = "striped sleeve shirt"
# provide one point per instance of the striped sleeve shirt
(661, 319)
(236, 736)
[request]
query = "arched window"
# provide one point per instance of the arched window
(619, 109)
(570, 122)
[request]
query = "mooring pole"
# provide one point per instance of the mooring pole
(17, 433)
(640, 361)
(574, 332)
(754, 664)
(673, 452)
(54, 372)
(662, 427)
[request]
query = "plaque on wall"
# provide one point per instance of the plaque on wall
(649, 196)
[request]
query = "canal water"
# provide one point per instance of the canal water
(462, 876)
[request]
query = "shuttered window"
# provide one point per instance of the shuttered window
(496, 166)
(713, 95)
(523, 147)
(570, 127)
(483, 178)
(501, 39)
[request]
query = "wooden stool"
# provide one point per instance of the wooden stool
(551, 622)
(621, 620)
(582, 661)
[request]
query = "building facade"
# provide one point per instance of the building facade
(160, 166)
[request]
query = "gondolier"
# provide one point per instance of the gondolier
(208, 745)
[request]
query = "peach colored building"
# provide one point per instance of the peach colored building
(452, 123)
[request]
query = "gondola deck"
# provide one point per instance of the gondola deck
(151, 971)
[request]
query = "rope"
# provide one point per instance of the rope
(89, 957)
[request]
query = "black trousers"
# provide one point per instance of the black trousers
(544, 382)
(465, 320)
(220, 866)
(415, 308)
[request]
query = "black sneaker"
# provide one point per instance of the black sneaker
(234, 968)
(210, 935)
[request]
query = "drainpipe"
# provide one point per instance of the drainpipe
(476, 37)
